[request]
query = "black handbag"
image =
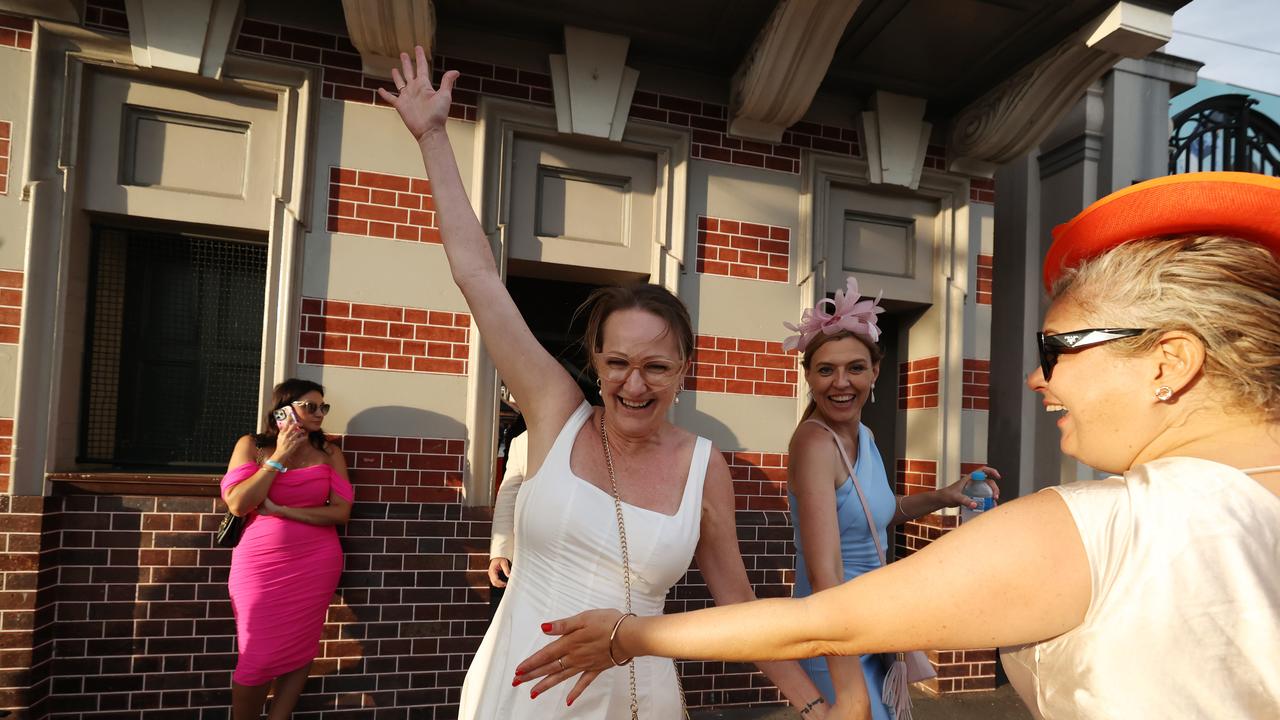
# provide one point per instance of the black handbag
(229, 531)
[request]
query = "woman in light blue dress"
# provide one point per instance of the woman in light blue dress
(829, 507)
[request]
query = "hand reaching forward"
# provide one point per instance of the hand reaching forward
(422, 108)
(583, 647)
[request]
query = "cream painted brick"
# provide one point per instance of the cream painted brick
(380, 272)
(372, 402)
(738, 422)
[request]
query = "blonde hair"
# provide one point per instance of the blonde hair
(1223, 290)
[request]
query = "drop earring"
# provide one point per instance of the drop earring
(873, 393)
(678, 391)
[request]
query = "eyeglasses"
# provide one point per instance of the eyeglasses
(1051, 346)
(657, 373)
(310, 407)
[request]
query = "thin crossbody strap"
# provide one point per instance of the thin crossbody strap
(871, 523)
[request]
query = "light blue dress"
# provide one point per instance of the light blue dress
(857, 551)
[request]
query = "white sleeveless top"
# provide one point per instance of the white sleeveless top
(1184, 619)
(567, 560)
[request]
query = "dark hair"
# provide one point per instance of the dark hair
(654, 299)
(284, 394)
(877, 354)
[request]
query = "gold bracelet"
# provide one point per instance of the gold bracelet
(613, 635)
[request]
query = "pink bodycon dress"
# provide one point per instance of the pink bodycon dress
(283, 574)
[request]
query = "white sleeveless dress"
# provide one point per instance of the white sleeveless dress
(568, 560)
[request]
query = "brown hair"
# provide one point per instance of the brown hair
(1223, 290)
(654, 299)
(877, 354)
(284, 394)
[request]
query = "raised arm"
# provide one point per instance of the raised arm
(546, 391)
(1035, 585)
(811, 477)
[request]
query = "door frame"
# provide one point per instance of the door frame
(950, 282)
(498, 123)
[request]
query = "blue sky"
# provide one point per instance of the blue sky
(1237, 40)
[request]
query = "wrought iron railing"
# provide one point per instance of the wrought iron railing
(1224, 133)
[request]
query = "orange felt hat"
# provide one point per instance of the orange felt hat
(1235, 204)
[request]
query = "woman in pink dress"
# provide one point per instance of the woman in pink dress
(291, 484)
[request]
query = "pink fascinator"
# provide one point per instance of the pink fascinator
(848, 312)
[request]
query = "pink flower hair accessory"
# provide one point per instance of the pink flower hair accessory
(848, 312)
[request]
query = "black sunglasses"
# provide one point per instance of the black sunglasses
(1051, 346)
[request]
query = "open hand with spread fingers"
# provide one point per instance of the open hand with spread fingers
(582, 649)
(422, 107)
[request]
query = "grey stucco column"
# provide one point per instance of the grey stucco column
(1115, 135)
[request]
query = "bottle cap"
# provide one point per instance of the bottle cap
(977, 476)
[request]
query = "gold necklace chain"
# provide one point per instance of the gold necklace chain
(626, 558)
(626, 574)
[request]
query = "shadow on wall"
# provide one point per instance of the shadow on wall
(411, 605)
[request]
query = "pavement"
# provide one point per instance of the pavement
(999, 704)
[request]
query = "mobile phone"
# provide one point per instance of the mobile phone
(285, 415)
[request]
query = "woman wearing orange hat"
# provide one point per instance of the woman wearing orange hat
(1149, 594)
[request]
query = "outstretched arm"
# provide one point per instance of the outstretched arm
(546, 392)
(899, 606)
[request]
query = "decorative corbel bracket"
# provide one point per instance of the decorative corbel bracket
(591, 84)
(895, 136)
(776, 82)
(1016, 115)
(185, 35)
(382, 29)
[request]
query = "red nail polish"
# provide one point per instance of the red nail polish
(519, 672)
(546, 627)
(533, 695)
(515, 682)
(569, 702)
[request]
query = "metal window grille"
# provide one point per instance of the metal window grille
(1224, 133)
(173, 349)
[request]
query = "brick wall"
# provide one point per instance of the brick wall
(918, 384)
(6, 133)
(24, 623)
(982, 190)
(381, 205)
(15, 32)
(708, 122)
(985, 276)
(743, 250)
(406, 469)
(6, 453)
(383, 337)
(765, 538)
(977, 384)
(742, 366)
(144, 625)
(759, 479)
(10, 306)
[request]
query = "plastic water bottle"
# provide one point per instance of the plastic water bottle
(979, 491)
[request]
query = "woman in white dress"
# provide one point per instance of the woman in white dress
(596, 476)
(1150, 594)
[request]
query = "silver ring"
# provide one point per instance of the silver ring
(562, 667)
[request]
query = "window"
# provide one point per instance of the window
(173, 349)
